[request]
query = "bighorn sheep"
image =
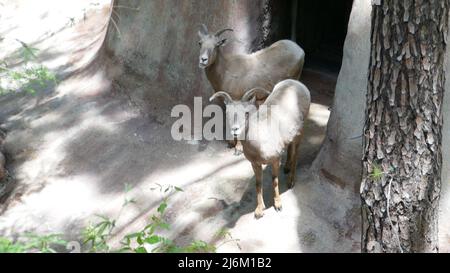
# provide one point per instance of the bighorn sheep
(265, 133)
(237, 73)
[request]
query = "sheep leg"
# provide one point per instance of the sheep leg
(276, 193)
(237, 145)
(238, 148)
(287, 165)
(259, 211)
(232, 143)
(293, 162)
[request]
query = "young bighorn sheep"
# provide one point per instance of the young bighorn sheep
(267, 131)
(237, 73)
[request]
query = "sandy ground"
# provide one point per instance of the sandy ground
(72, 147)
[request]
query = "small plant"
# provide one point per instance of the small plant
(32, 243)
(377, 173)
(148, 234)
(44, 243)
(30, 77)
(166, 188)
(27, 52)
(8, 246)
(127, 200)
(200, 247)
(96, 236)
(224, 233)
(149, 237)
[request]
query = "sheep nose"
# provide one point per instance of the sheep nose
(204, 60)
(235, 130)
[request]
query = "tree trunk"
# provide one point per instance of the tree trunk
(402, 135)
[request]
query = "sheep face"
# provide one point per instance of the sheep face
(209, 44)
(237, 113)
(208, 50)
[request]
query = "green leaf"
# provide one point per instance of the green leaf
(148, 228)
(125, 249)
(7, 246)
(133, 235)
(162, 207)
(222, 233)
(377, 173)
(30, 90)
(27, 52)
(140, 249)
(105, 218)
(153, 239)
(200, 246)
(164, 225)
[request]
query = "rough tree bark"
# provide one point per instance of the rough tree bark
(402, 135)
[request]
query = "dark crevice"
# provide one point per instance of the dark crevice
(321, 30)
(319, 27)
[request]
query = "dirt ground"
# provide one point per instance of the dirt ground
(71, 149)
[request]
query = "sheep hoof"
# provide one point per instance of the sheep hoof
(278, 207)
(259, 213)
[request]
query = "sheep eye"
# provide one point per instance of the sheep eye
(199, 43)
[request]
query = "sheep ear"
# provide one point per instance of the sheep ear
(222, 42)
(200, 34)
(203, 31)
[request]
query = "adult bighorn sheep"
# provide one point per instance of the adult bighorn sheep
(266, 132)
(237, 73)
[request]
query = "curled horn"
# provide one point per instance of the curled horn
(223, 94)
(251, 92)
(220, 32)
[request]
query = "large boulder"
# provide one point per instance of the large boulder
(340, 156)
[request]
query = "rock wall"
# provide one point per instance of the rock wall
(159, 43)
(341, 151)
